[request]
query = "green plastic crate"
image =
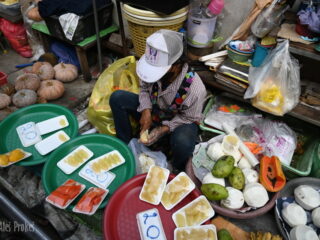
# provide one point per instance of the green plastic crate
(315, 171)
(205, 127)
(303, 165)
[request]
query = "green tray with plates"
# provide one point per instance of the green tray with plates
(34, 113)
(99, 144)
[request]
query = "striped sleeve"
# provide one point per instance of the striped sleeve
(191, 109)
(144, 97)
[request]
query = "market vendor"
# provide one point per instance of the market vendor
(170, 101)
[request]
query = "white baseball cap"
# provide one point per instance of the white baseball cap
(163, 48)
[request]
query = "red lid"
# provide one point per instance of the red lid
(119, 221)
(216, 6)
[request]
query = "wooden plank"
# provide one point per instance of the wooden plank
(304, 50)
(236, 232)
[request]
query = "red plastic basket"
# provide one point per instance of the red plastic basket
(3, 78)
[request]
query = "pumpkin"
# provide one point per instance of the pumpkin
(65, 72)
(27, 81)
(271, 174)
(7, 89)
(5, 100)
(34, 14)
(24, 97)
(51, 89)
(46, 72)
(36, 66)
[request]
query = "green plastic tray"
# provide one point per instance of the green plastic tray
(205, 127)
(34, 113)
(304, 163)
(99, 144)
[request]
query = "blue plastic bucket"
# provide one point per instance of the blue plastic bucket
(259, 55)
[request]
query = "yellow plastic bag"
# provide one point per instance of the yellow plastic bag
(121, 75)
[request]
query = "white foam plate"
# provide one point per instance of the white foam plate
(95, 207)
(209, 212)
(209, 227)
(52, 124)
(150, 225)
(26, 155)
(51, 143)
(122, 160)
(186, 190)
(161, 187)
(28, 134)
(102, 180)
(66, 167)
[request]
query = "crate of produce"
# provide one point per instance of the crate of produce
(85, 27)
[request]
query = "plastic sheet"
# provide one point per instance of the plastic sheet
(276, 138)
(138, 148)
(121, 75)
(275, 85)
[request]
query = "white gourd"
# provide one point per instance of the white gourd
(307, 197)
(244, 163)
(215, 151)
(303, 232)
(209, 178)
(250, 175)
(255, 195)
(294, 215)
(316, 217)
(235, 200)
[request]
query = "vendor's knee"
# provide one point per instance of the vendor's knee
(116, 98)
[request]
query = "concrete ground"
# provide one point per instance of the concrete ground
(75, 92)
(29, 190)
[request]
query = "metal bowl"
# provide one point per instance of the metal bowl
(231, 213)
(288, 191)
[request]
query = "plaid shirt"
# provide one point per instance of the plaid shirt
(190, 110)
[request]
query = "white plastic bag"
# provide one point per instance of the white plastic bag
(141, 153)
(276, 138)
(216, 116)
(275, 85)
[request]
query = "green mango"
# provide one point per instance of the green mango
(214, 192)
(223, 234)
(223, 167)
(236, 178)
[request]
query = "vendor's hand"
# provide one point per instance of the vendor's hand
(156, 134)
(145, 120)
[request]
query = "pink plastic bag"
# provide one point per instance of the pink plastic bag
(16, 34)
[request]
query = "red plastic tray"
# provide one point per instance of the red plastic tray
(119, 221)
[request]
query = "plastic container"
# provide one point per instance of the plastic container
(202, 22)
(315, 171)
(303, 165)
(200, 30)
(143, 23)
(154, 186)
(185, 217)
(85, 26)
(260, 54)
(177, 190)
(238, 56)
(11, 10)
(3, 78)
